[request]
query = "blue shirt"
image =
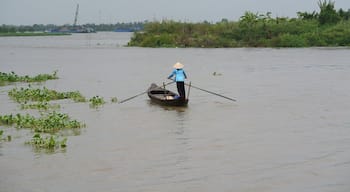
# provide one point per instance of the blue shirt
(180, 75)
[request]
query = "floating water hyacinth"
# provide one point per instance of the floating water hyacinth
(51, 123)
(3, 138)
(48, 142)
(13, 77)
(114, 99)
(96, 101)
(44, 94)
(41, 105)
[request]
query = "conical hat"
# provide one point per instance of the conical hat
(178, 65)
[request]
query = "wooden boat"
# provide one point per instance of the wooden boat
(163, 96)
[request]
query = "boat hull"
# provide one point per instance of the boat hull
(165, 97)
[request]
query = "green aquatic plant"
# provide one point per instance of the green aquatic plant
(216, 73)
(45, 127)
(75, 96)
(3, 138)
(114, 99)
(44, 94)
(49, 142)
(96, 101)
(50, 123)
(18, 120)
(13, 77)
(54, 122)
(41, 105)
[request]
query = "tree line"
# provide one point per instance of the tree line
(328, 27)
(131, 26)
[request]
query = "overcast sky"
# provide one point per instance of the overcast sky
(29, 12)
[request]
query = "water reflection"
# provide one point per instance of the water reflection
(181, 122)
(38, 152)
(180, 118)
(178, 133)
(179, 109)
(181, 152)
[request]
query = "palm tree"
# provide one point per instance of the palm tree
(328, 14)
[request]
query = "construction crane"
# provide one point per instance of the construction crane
(80, 29)
(76, 16)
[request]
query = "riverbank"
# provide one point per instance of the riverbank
(18, 34)
(259, 32)
(328, 28)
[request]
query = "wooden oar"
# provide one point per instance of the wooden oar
(210, 92)
(127, 99)
(122, 101)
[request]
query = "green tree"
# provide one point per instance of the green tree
(345, 15)
(248, 24)
(328, 14)
(307, 16)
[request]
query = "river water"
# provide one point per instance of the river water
(288, 131)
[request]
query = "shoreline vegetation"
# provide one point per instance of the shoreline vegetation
(327, 28)
(258, 33)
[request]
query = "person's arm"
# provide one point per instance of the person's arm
(171, 75)
(185, 75)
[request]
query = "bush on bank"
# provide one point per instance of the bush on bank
(327, 28)
(285, 33)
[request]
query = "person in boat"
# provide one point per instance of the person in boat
(180, 77)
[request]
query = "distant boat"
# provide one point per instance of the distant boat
(75, 28)
(68, 29)
(83, 30)
(124, 30)
(127, 29)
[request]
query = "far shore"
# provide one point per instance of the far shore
(16, 34)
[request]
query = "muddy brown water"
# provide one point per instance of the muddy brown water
(288, 131)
